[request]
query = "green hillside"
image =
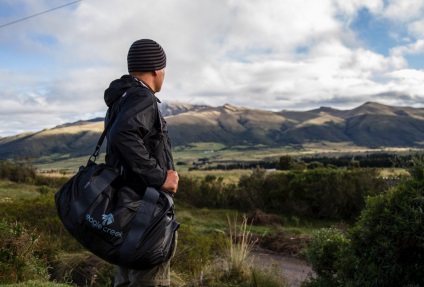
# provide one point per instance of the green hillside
(370, 125)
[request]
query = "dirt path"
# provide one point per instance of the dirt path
(293, 269)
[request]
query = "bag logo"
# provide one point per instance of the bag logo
(107, 219)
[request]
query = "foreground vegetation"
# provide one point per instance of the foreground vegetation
(215, 239)
(34, 245)
(385, 247)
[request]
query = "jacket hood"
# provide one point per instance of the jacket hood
(117, 88)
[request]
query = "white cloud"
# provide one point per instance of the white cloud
(349, 8)
(276, 54)
(404, 10)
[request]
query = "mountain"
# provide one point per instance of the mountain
(370, 125)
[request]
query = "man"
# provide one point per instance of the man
(138, 142)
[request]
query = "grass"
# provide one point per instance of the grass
(203, 221)
(63, 165)
(241, 243)
(12, 190)
(36, 283)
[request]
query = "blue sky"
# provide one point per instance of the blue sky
(267, 54)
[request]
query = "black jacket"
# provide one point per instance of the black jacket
(138, 142)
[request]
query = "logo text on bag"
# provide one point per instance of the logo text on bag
(107, 219)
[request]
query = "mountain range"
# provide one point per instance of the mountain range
(371, 125)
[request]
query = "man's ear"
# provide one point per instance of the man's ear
(155, 72)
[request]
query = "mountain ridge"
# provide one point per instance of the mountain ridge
(370, 125)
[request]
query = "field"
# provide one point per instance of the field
(204, 155)
(283, 208)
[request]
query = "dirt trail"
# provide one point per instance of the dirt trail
(293, 269)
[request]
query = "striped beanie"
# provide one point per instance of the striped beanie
(145, 55)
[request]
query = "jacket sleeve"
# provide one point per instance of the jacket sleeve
(135, 120)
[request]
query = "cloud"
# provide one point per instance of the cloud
(274, 54)
(404, 10)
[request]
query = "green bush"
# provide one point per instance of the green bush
(319, 193)
(24, 172)
(209, 192)
(326, 253)
(20, 258)
(252, 191)
(324, 193)
(388, 240)
(40, 213)
(386, 245)
(17, 171)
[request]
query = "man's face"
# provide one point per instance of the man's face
(160, 76)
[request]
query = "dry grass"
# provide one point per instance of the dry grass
(241, 243)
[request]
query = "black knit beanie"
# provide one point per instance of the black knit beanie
(146, 55)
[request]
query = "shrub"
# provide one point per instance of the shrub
(386, 245)
(319, 193)
(209, 192)
(17, 171)
(19, 257)
(252, 191)
(325, 252)
(40, 213)
(388, 240)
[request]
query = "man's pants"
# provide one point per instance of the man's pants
(155, 277)
(159, 276)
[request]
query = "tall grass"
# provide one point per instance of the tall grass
(237, 254)
(239, 247)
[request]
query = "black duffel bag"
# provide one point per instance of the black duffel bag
(113, 221)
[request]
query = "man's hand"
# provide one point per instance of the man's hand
(171, 182)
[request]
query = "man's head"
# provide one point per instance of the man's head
(147, 62)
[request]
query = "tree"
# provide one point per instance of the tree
(285, 162)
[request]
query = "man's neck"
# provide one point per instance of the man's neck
(146, 79)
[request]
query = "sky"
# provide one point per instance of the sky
(264, 54)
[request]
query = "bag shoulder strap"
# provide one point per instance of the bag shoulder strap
(96, 152)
